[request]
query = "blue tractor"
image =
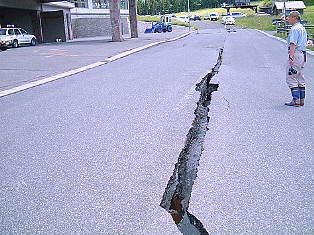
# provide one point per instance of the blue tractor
(164, 25)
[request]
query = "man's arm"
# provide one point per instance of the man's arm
(292, 50)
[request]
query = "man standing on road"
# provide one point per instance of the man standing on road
(297, 57)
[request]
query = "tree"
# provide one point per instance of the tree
(133, 18)
(116, 30)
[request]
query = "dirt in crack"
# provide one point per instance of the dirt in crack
(179, 188)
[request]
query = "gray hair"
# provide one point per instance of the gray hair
(295, 14)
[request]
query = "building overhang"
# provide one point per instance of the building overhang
(47, 1)
(58, 4)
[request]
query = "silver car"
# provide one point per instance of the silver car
(16, 36)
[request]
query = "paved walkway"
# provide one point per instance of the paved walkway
(51, 61)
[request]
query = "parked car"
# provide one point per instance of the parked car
(183, 19)
(228, 20)
(3, 46)
(276, 21)
(237, 14)
(262, 14)
(15, 37)
(174, 17)
(197, 17)
(206, 16)
(214, 16)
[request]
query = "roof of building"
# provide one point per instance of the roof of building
(291, 5)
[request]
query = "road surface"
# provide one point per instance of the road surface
(93, 152)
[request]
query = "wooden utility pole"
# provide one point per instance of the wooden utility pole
(133, 18)
(116, 30)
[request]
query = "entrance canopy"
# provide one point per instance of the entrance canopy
(58, 3)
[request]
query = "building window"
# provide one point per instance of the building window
(80, 3)
(101, 4)
(124, 4)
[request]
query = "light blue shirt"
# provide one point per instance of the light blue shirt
(298, 37)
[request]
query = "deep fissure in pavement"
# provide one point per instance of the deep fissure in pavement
(179, 188)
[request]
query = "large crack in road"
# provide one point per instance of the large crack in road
(179, 188)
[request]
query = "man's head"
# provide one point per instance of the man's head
(294, 17)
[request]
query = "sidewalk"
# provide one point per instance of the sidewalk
(51, 61)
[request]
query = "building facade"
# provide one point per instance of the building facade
(47, 20)
(91, 18)
(287, 7)
(55, 20)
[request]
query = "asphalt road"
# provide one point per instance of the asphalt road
(256, 173)
(92, 153)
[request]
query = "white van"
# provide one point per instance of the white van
(184, 19)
